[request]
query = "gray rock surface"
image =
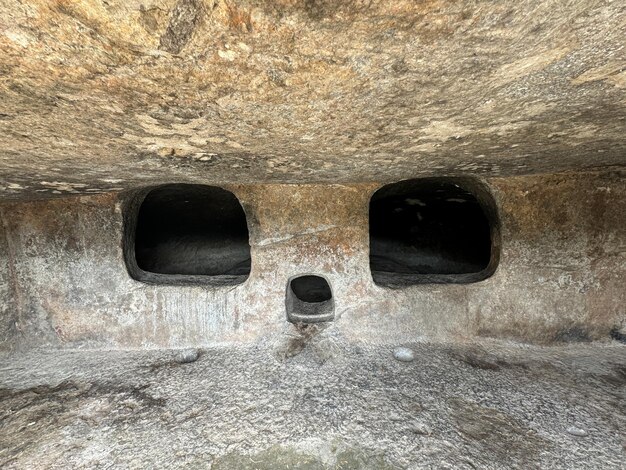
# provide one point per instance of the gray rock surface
(358, 409)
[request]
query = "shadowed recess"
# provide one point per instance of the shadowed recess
(195, 230)
(309, 300)
(428, 230)
(311, 289)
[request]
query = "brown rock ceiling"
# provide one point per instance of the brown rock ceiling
(100, 95)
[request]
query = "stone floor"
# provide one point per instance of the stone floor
(316, 403)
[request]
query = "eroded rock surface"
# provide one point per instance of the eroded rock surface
(102, 95)
(359, 409)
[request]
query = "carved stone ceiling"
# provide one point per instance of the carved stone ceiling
(99, 95)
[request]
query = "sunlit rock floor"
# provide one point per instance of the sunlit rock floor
(317, 404)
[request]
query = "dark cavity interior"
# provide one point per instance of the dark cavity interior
(427, 230)
(185, 229)
(311, 289)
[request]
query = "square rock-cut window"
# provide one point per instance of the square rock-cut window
(187, 234)
(433, 230)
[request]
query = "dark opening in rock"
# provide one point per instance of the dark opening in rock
(309, 300)
(189, 233)
(432, 230)
(311, 288)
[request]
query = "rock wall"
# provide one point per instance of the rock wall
(563, 266)
(8, 310)
(560, 277)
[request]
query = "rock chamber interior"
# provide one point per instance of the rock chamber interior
(312, 234)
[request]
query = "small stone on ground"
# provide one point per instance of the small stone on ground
(187, 355)
(403, 354)
(575, 431)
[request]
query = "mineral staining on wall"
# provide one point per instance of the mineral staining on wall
(559, 276)
(303, 109)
